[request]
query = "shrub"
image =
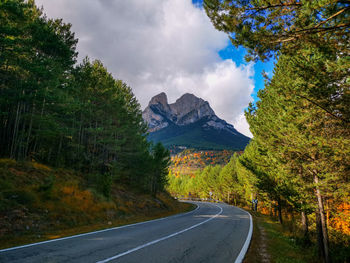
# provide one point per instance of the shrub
(102, 183)
(23, 197)
(46, 187)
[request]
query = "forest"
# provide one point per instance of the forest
(58, 112)
(61, 113)
(298, 162)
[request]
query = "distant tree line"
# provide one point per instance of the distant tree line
(66, 115)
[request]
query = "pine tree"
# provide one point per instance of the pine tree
(264, 27)
(303, 141)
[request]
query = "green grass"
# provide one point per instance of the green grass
(280, 245)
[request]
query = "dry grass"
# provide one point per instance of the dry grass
(39, 203)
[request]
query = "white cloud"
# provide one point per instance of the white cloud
(242, 125)
(156, 46)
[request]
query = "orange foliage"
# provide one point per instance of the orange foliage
(341, 222)
(40, 166)
(264, 210)
(74, 197)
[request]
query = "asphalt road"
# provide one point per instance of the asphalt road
(211, 233)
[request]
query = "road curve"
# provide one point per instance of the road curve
(211, 233)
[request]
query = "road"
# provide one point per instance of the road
(211, 233)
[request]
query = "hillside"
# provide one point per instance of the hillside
(38, 202)
(196, 135)
(190, 122)
(189, 161)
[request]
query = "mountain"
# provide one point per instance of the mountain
(190, 122)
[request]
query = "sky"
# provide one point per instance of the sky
(164, 46)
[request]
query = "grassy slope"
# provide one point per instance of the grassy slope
(39, 203)
(272, 243)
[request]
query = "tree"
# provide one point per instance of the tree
(268, 28)
(302, 144)
(228, 180)
(36, 54)
(264, 27)
(160, 168)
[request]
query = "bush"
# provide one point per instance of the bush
(47, 186)
(105, 184)
(23, 197)
(102, 183)
(5, 185)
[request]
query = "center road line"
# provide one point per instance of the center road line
(160, 239)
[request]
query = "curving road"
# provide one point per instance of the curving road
(211, 233)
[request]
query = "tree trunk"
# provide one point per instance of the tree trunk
(29, 133)
(279, 209)
(305, 224)
(320, 247)
(59, 150)
(271, 210)
(327, 212)
(322, 221)
(15, 131)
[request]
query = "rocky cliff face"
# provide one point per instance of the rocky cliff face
(186, 110)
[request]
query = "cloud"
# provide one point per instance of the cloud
(156, 46)
(242, 125)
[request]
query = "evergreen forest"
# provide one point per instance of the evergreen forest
(58, 112)
(298, 163)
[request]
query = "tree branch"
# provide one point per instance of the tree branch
(273, 6)
(323, 108)
(332, 16)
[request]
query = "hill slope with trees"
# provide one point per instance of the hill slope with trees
(67, 115)
(61, 114)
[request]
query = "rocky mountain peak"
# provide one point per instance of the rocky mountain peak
(161, 98)
(185, 110)
(190, 103)
(188, 98)
(189, 122)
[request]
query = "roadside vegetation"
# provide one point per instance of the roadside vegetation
(38, 202)
(298, 163)
(273, 242)
(73, 144)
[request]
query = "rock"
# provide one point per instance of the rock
(189, 121)
(186, 110)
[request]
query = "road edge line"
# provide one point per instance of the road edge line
(96, 232)
(245, 247)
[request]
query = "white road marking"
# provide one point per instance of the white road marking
(245, 247)
(160, 239)
(95, 232)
